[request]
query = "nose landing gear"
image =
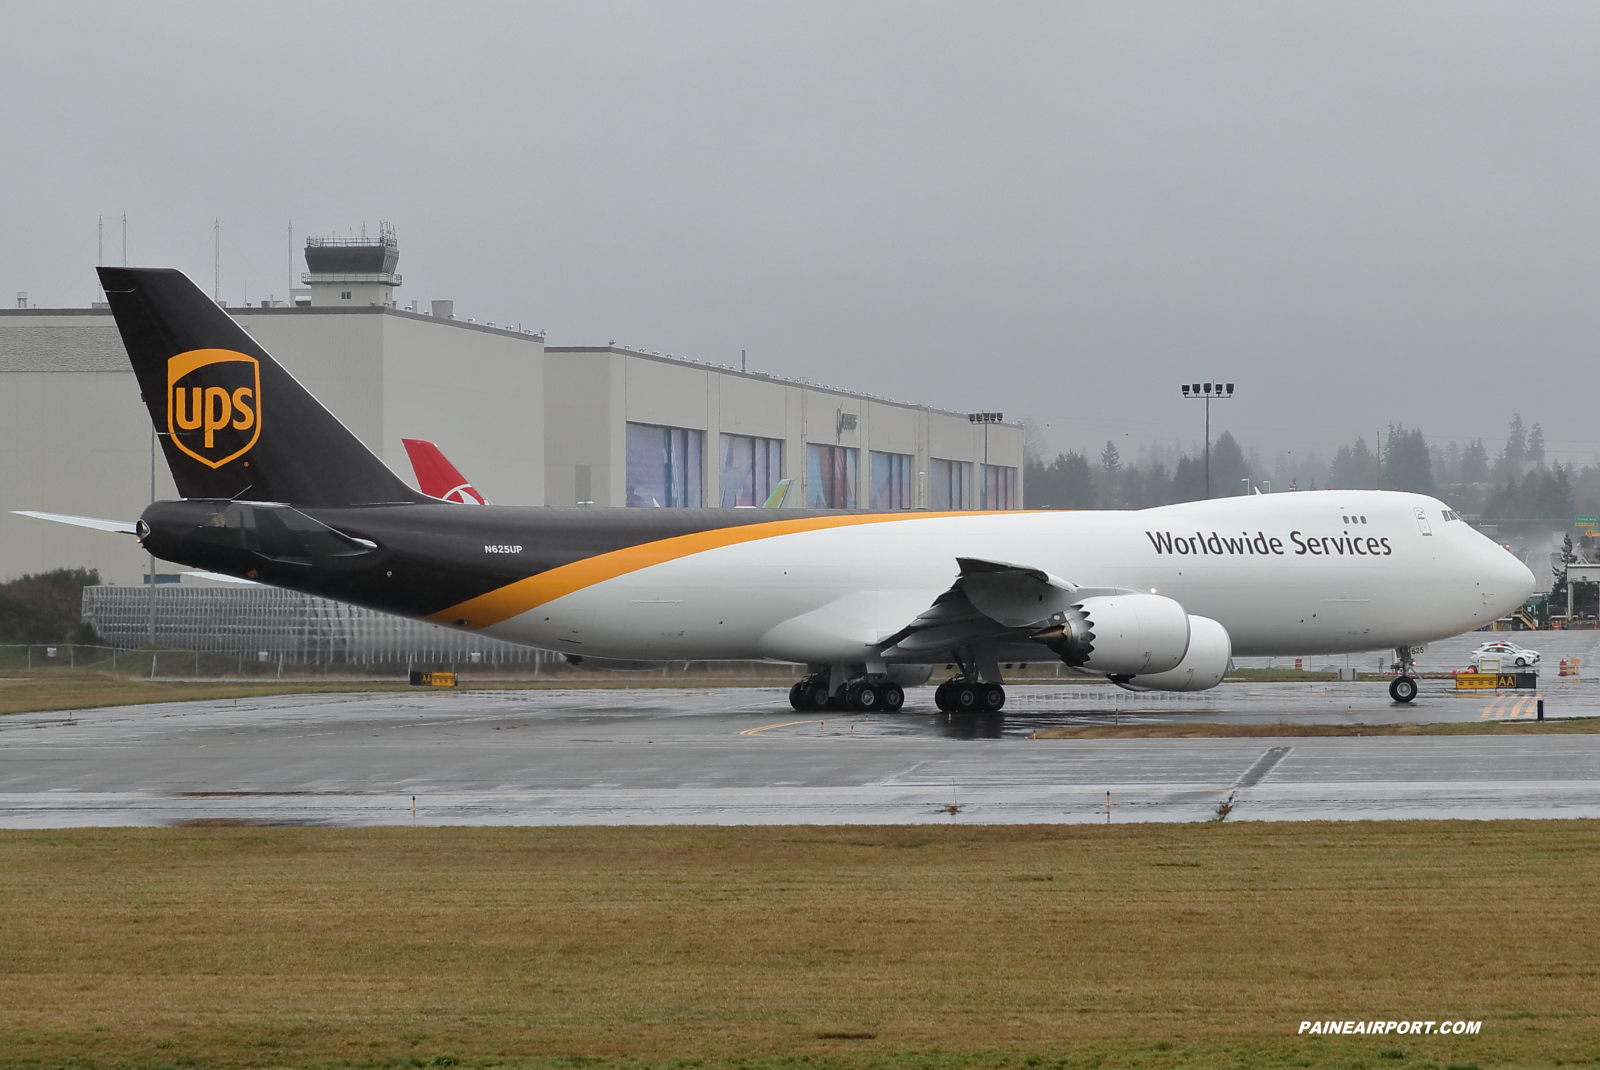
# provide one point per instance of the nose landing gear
(1403, 688)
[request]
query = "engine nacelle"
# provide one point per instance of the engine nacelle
(1204, 666)
(907, 675)
(1121, 635)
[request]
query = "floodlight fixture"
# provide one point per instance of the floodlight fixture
(1207, 391)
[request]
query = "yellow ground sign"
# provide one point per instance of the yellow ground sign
(1484, 681)
(433, 679)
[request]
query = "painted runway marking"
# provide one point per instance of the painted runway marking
(1263, 765)
(1513, 706)
(781, 724)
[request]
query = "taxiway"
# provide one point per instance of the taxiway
(737, 756)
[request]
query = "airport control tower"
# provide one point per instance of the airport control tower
(353, 272)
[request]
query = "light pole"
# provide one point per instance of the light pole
(1208, 391)
(985, 418)
(152, 576)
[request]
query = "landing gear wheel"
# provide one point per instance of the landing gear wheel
(866, 697)
(1403, 689)
(941, 698)
(797, 696)
(893, 697)
(964, 697)
(817, 697)
(993, 696)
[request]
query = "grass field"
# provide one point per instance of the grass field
(1142, 946)
(22, 692)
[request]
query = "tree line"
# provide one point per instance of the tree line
(1514, 483)
(46, 607)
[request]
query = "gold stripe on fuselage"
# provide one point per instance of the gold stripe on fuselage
(506, 602)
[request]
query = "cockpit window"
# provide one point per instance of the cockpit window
(1451, 514)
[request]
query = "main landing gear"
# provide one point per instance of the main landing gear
(964, 696)
(1404, 687)
(863, 693)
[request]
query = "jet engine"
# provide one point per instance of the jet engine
(1206, 663)
(1121, 635)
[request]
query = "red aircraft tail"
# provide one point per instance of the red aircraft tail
(437, 477)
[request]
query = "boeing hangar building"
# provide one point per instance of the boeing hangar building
(529, 424)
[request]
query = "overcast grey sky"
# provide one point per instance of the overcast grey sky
(1358, 212)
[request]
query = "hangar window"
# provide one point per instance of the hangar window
(831, 476)
(344, 295)
(891, 480)
(999, 487)
(947, 484)
(663, 466)
(751, 467)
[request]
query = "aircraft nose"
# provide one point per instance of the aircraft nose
(1514, 578)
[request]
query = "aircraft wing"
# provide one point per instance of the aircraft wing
(120, 527)
(991, 602)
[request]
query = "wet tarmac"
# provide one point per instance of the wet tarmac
(742, 756)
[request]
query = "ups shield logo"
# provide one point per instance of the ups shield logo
(214, 404)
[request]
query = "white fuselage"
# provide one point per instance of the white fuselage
(1301, 573)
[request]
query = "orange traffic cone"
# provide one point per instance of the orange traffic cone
(1563, 671)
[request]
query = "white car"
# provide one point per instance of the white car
(1510, 654)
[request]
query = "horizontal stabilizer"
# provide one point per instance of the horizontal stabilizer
(119, 527)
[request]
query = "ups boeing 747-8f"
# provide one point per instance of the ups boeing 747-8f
(277, 490)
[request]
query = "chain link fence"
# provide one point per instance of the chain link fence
(196, 632)
(267, 625)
